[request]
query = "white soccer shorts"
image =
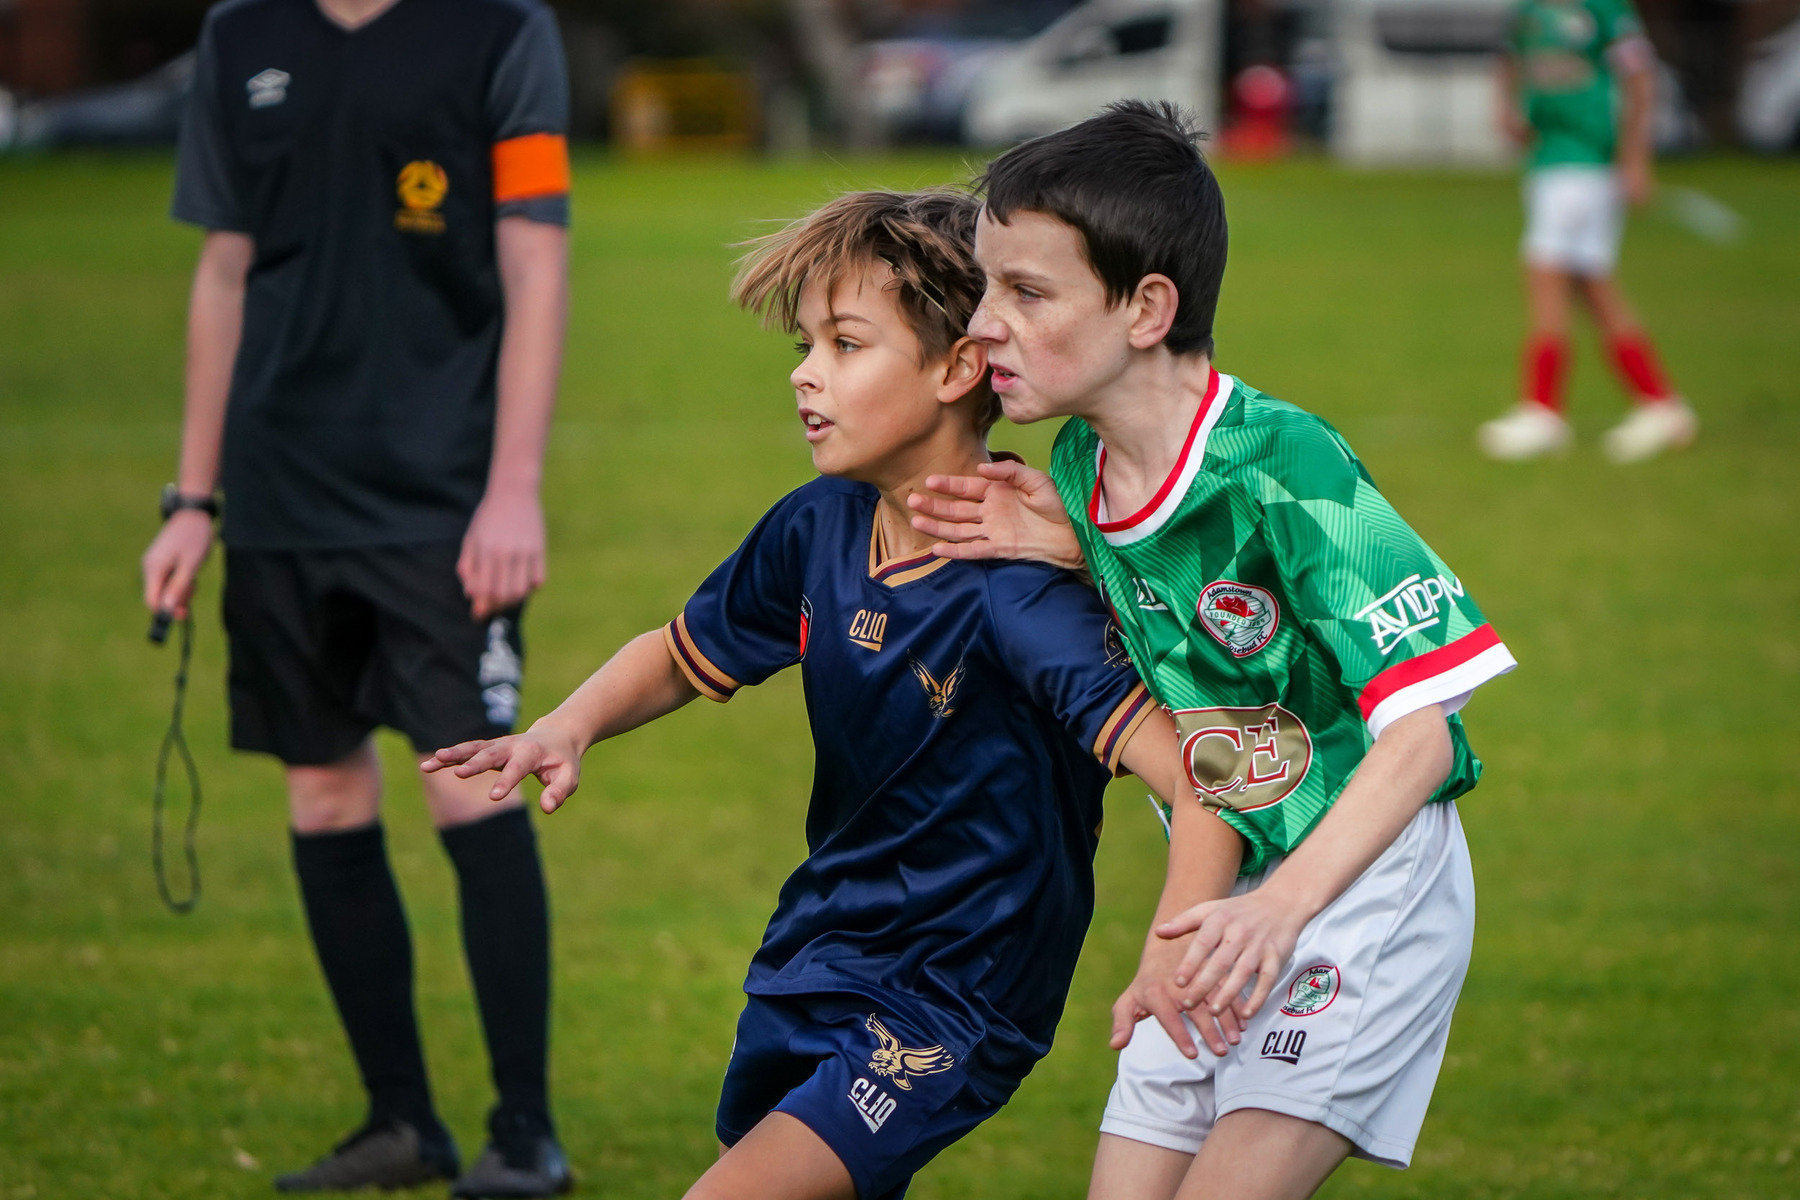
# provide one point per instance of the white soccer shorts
(1353, 1035)
(1574, 219)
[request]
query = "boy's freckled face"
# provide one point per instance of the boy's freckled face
(862, 393)
(1051, 339)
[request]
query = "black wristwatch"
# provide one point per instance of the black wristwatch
(173, 502)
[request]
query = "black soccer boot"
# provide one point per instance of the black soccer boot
(521, 1159)
(385, 1154)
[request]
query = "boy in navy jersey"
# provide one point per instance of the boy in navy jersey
(966, 719)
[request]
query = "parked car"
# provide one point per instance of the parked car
(1103, 51)
(143, 112)
(918, 77)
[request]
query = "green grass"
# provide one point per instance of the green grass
(1631, 1025)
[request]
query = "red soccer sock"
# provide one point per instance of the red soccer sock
(1546, 365)
(1635, 360)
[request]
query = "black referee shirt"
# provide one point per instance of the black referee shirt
(369, 166)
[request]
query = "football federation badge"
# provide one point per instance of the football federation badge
(1312, 992)
(1241, 617)
(421, 187)
(893, 1061)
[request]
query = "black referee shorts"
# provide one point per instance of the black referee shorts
(328, 644)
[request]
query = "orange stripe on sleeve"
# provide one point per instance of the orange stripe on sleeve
(531, 166)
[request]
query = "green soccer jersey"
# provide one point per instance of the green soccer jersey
(1281, 610)
(1565, 53)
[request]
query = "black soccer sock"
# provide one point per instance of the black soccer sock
(359, 930)
(506, 935)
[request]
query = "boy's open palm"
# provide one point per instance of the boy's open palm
(1008, 511)
(1235, 940)
(544, 752)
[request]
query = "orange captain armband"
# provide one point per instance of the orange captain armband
(531, 166)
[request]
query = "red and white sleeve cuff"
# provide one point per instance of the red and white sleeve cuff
(1447, 676)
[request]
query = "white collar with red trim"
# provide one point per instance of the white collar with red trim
(1154, 515)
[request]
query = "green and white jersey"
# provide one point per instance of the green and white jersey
(1567, 51)
(1279, 607)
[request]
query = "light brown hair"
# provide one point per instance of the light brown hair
(926, 238)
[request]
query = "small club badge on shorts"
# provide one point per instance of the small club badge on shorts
(1313, 991)
(500, 674)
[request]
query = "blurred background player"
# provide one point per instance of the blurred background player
(374, 339)
(1577, 88)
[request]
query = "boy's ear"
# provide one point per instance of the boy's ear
(964, 367)
(1153, 307)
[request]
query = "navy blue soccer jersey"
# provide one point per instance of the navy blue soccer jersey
(966, 718)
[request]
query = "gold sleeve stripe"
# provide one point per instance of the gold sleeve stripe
(1115, 735)
(711, 682)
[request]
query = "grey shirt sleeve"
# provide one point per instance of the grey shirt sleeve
(206, 192)
(530, 94)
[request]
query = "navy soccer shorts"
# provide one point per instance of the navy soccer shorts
(328, 644)
(880, 1091)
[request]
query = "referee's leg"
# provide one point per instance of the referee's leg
(359, 931)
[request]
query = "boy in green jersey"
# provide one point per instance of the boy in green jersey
(1588, 154)
(1313, 650)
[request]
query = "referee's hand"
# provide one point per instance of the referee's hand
(174, 560)
(502, 559)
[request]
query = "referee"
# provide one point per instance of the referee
(374, 337)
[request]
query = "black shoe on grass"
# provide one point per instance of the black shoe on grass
(520, 1160)
(387, 1155)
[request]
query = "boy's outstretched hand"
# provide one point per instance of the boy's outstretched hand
(1234, 939)
(544, 751)
(1008, 511)
(1154, 994)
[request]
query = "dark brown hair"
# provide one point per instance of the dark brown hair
(926, 238)
(1134, 185)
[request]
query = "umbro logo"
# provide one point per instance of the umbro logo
(267, 87)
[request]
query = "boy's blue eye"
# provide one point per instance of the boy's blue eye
(803, 348)
(845, 345)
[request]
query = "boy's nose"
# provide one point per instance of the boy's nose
(983, 327)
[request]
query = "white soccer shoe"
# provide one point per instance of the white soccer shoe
(1650, 429)
(1527, 431)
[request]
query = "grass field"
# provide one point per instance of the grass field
(1631, 1025)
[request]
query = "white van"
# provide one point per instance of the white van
(1105, 50)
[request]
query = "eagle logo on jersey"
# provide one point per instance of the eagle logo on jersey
(422, 186)
(1114, 646)
(1240, 616)
(893, 1061)
(940, 696)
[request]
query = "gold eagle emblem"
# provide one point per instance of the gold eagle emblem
(893, 1061)
(939, 696)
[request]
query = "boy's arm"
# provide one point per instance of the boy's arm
(637, 685)
(1204, 853)
(1254, 934)
(1511, 113)
(1635, 60)
(1009, 511)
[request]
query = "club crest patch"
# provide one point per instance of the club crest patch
(1240, 616)
(1312, 992)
